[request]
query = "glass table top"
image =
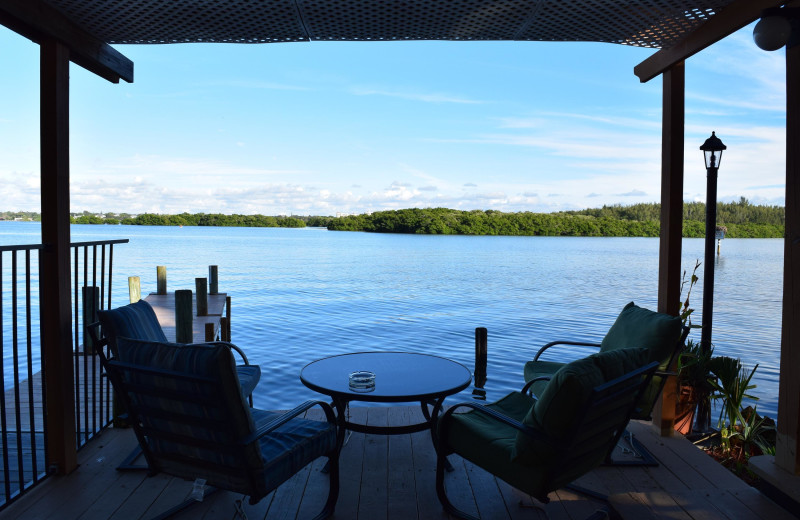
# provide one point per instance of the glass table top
(399, 376)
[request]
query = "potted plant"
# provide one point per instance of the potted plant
(695, 388)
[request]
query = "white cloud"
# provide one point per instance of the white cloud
(414, 95)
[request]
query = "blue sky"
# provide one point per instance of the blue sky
(351, 127)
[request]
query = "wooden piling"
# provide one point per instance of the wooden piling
(91, 302)
(161, 276)
(183, 316)
(134, 289)
(481, 356)
(227, 318)
(213, 279)
(210, 336)
(201, 290)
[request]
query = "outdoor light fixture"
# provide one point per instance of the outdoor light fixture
(774, 30)
(712, 150)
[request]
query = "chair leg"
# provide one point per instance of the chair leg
(183, 505)
(332, 467)
(441, 462)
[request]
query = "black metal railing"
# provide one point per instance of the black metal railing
(21, 420)
(90, 293)
(23, 434)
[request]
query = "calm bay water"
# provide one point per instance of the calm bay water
(302, 294)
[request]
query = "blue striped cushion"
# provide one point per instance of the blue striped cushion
(136, 320)
(249, 376)
(255, 468)
(291, 447)
(213, 361)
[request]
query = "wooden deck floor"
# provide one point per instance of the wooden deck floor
(392, 477)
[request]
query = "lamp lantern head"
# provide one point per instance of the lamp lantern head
(712, 149)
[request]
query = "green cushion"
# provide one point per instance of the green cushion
(490, 443)
(638, 327)
(534, 369)
(556, 412)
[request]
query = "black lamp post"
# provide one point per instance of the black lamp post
(712, 149)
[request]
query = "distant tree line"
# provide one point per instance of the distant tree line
(742, 219)
(192, 219)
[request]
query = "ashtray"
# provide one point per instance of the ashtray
(362, 381)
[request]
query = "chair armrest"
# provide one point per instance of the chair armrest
(284, 418)
(234, 348)
(527, 430)
(529, 384)
(568, 343)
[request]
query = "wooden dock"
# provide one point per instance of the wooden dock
(164, 307)
(392, 477)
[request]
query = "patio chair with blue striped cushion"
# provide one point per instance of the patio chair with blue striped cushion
(192, 421)
(139, 321)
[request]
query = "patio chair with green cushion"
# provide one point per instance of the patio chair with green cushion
(192, 420)
(541, 445)
(661, 334)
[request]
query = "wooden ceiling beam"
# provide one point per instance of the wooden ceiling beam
(38, 21)
(727, 21)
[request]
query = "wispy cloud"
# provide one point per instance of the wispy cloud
(411, 95)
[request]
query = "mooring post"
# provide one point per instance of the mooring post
(161, 277)
(183, 316)
(210, 336)
(91, 302)
(202, 296)
(134, 289)
(227, 328)
(481, 357)
(213, 280)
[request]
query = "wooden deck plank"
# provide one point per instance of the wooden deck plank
(683, 455)
(487, 495)
(424, 461)
(375, 476)
(519, 505)
(351, 462)
(97, 490)
(633, 505)
(402, 499)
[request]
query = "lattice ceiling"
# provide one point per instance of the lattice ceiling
(642, 23)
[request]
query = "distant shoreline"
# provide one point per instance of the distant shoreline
(734, 220)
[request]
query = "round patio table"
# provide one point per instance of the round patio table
(399, 377)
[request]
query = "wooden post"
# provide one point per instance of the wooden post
(787, 449)
(161, 279)
(669, 260)
(210, 336)
(183, 316)
(134, 289)
(201, 290)
(91, 302)
(227, 318)
(54, 260)
(213, 280)
(481, 356)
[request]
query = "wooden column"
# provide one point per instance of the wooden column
(669, 259)
(788, 449)
(54, 280)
